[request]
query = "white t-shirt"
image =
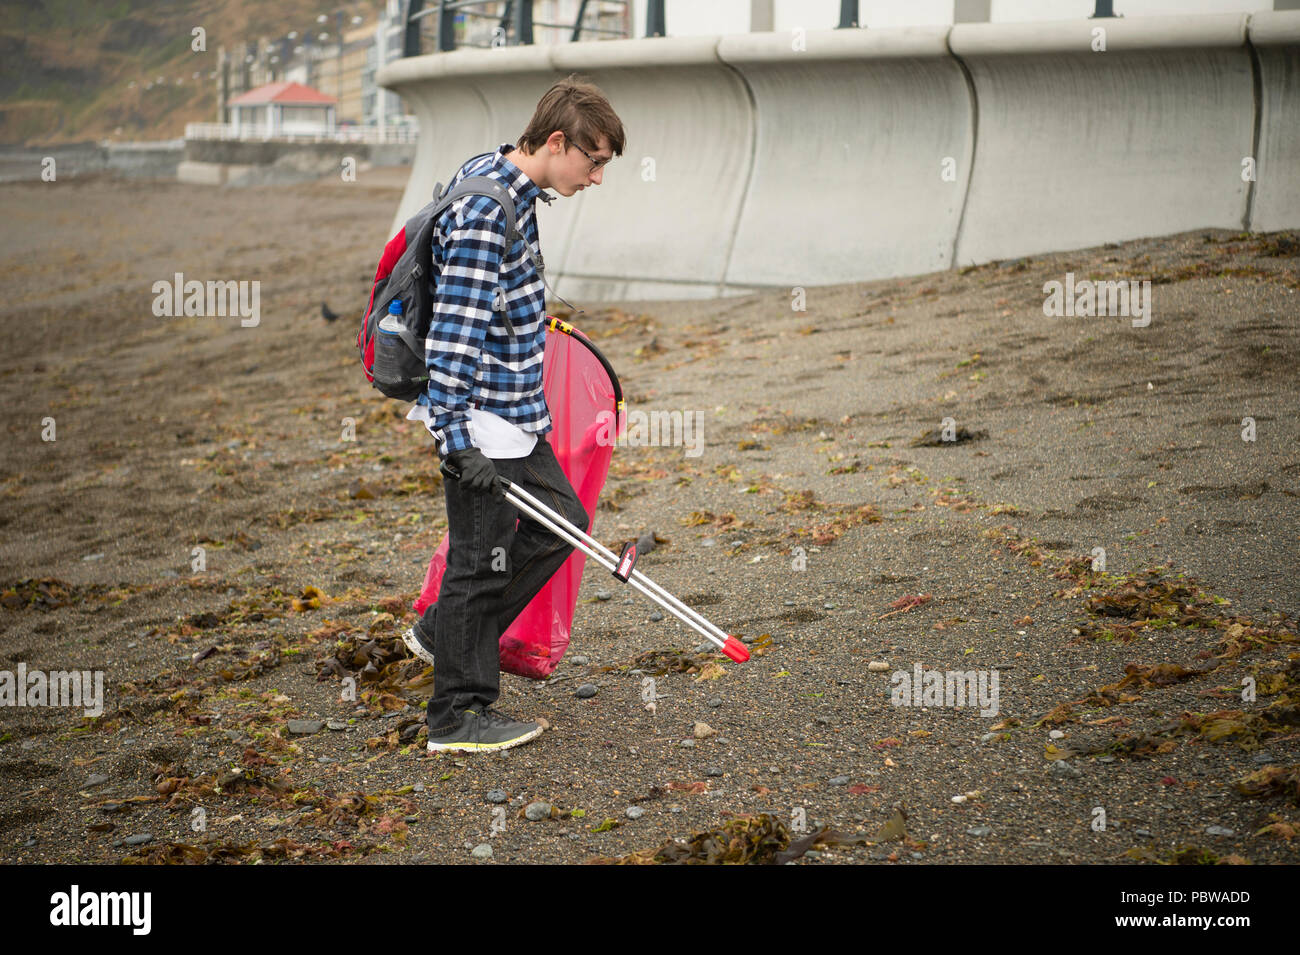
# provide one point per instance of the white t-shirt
(492, 434)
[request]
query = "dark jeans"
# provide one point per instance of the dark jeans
(477, 603)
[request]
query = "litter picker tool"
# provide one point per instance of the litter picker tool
(622, 566)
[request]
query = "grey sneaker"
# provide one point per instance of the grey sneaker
(484, 731)
(418, 644)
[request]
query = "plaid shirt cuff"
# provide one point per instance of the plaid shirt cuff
(454, 436)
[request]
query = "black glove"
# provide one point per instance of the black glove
(477, 472)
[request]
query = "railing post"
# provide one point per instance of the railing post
(577, 24)
(446, 27)
(654, 19)
(411, 39)
(524, 22)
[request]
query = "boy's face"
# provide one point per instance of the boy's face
(572, 169)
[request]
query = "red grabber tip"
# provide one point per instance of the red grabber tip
(736, 650)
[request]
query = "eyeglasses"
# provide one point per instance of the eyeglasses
(595, 163)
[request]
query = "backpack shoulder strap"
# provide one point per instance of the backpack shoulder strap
(483, 186)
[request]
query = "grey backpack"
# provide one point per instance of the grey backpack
(397, 317)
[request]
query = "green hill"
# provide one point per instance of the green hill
(66, 66)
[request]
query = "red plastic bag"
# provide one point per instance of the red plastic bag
(581, 395)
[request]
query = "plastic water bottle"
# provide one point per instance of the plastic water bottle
(389, 324)
(398, 370)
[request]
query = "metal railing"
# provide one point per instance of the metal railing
(515, 23)
(406, 132)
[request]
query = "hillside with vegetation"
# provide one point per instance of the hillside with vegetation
(75, 70)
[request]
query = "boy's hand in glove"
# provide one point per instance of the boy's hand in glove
(477, 472)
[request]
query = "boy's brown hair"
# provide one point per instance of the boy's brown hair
(578, 108)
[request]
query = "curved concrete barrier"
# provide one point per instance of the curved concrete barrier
(657, 227)
(1080, 147)
(652, 230)
(1276, 204)
(848, 176)
(768, 160)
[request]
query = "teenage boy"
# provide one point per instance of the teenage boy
(485, 407)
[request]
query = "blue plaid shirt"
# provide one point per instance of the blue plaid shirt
(470, 355)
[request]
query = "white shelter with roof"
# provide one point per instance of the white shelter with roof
(282, 108)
